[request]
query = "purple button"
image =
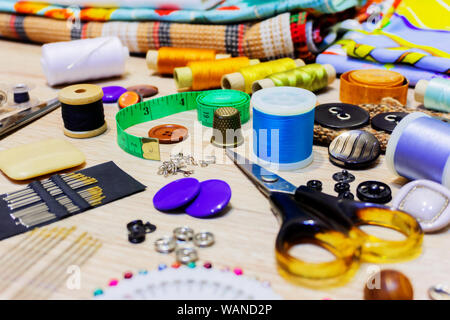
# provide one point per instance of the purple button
(176, 194)
(112, 93)
(213, 197)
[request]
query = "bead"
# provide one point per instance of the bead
(191, 264)
(162, 266)
(176, 265)
(238, 271)
(98, 292)
(393, 285)
(128, 275)
(113, 282)
(207, 265)
(143, 272)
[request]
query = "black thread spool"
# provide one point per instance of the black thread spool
(82, 111)
(21, 93)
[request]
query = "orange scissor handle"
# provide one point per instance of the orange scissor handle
(323, 274)
(299, 227)
(348, 215)
(378, 250)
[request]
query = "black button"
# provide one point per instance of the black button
(341, 116)
(354, 149)
(314, 184)
(341, 187)
(343, 176)
(374, 191)
(387, 121)
(137, 230)
(346, 195)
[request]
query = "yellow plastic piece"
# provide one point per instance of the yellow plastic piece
(325, 274)
(376, 250)
(38, 158)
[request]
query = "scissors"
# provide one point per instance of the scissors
(312, 217)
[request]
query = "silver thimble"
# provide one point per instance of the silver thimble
(227, 131)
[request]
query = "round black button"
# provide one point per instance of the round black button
(374, 191)
(314, 184)
(343, 176)
(341, 187)
(387, 121)
(354, 149)
(341, 116)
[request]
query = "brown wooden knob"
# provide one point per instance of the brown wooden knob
(388, 285)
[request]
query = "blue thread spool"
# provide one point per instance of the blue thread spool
(283, 127)
(419, 148)
(434, 94)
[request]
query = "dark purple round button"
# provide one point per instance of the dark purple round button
(176, 194)
(213, 197)
(112, 93)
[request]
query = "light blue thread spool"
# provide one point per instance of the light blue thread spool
(434, 94)
(283, 127)
(419, 148)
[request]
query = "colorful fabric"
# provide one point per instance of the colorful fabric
(255, 40)
(342, 63)
(419, 48)
(154, 4)
(228, 11)
(308, 33)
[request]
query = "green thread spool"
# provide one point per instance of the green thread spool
(434, 94)
(311, 77)
(244, 79)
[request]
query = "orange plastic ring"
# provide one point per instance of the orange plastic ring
(372, 85)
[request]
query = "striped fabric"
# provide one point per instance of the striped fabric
(268, 39)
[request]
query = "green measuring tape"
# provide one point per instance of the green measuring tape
(205, 102)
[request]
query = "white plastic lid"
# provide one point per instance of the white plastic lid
(395, 136)
(283, 101)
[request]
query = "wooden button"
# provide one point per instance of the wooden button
(129, 98)
(388, 285)
(144, 90)
(168, 133)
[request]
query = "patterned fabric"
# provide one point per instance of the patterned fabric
(226, 12)
(268, 39)
(155, 4)
(409, 38)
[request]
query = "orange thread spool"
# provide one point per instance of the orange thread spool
(207, 74)
(171, 58)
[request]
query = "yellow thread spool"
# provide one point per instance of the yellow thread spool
(201, 75)
(166, 59)
(311, 77)
(244, 79)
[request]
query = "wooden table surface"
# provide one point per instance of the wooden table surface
(245, 233)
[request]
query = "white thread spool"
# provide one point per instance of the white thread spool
(80, 60)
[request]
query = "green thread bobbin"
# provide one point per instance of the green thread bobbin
(312, 77)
